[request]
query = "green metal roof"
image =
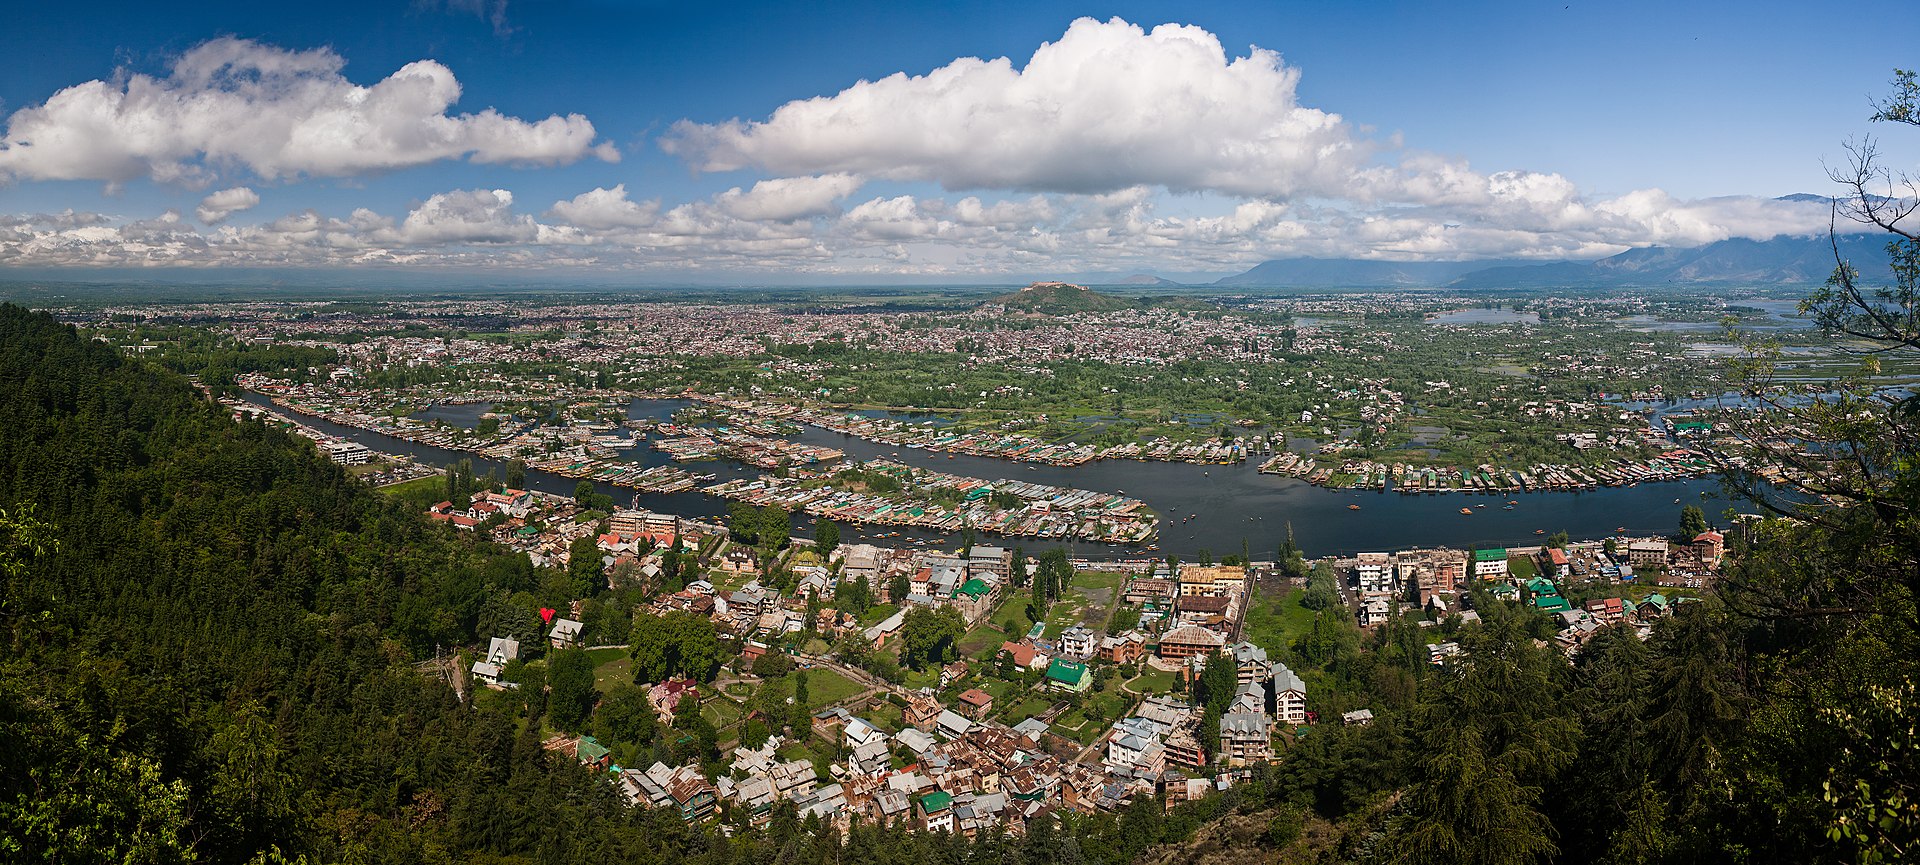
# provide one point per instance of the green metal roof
(1551, 603)
(974, 587)
(590, 749)
(1066, 672)
(1492, 555)
(936, 801)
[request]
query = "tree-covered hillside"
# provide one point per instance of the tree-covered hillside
(211, 638)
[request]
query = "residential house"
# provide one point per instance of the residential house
(936, 812)
(1123, 648)
(1289, 696)
(1244, 738)
(492, 669)
(667, 695)
(1607, 611)
(952, 725)
(1064, 675)
(887, 629)
(1251, 660)
(1077, 642)
(1025, 655)
(922, 711)
(1558, 564)
(1490, 564)
(1190, 640)
(976, 704)
(565, 634)
(1374, 573)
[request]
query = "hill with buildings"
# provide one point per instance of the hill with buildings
(1060, 298)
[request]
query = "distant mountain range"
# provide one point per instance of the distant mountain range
(1148, 279)
(1780, 261)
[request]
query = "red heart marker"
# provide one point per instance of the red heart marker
(546, 615)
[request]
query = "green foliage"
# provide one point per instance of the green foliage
(570, 689)
(769, 528)
(1217, 683)
(625, 717)
(1692, 522)
(826, 537)
(676, 644)
(931, 636)
(1323, 592)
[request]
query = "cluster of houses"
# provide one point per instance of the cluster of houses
(1434, 579)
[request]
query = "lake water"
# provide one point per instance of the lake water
(1229, 504)
(466, 416)
(1500, 315)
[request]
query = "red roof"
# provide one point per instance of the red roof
(1022, 653)
(975, 697)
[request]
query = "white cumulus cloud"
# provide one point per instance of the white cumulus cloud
(1106, 107)
(785, 198)
(276, 113)
(215, 208)
(468, 216)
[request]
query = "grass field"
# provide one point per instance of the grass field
(720, 713)
(1522, 568)
(1152, 682)
(886, 716)
(826, 687)
(1021, 710)
(983, 642)
(431, 485)
(1276, 619)
(610, 667)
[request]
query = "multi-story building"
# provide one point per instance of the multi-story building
(1289, 694)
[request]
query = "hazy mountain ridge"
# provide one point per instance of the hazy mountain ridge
(1780, 261)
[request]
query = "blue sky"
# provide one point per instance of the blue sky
(1463, 130)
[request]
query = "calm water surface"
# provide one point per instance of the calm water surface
(1228, 505)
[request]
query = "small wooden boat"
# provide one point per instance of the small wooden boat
(1353, 507)
(1467, 511)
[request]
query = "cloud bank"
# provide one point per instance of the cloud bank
(278, 114)
(1114, 148)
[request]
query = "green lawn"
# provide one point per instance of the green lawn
(418, 487)
(1021, 710)
(826, 687)
(983, 642)
(877, 614)
(886, 716)
(1153, 682)
(610, 667)
(720, 713)
(1275, 620)
(1522, 568)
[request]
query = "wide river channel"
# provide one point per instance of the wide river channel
(1217, 508)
